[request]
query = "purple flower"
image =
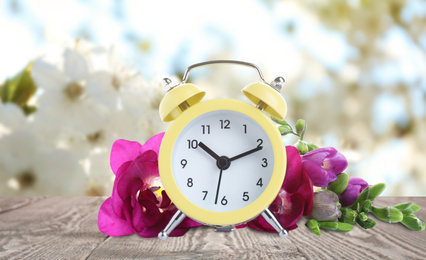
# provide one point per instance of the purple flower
(326, 206)
(323, 164)
(136, 205)
(352, 191)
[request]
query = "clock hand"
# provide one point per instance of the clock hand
(218, 185)
(208, 150)
(246, 153)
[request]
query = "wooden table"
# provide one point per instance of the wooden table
(66, 228)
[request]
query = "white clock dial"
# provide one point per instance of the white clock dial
(222, 160)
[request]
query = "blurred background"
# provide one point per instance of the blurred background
(77, 75)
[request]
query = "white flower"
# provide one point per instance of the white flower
(11, 118)
(31, 169)
(65, 101)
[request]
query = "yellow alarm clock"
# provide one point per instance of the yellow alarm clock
(222, 162)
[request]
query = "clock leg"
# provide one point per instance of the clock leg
(270, 218)
(177, 218)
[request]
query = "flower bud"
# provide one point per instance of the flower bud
(325, 206)
(348, 216)
(362, 197)
(388, 214)
(366, 207)
(405, 205)
(313, 225)
(407, 208)
(336, 226)
(411, 221)
(368, 223)
(339, 185)
(376, 190)
(362, 216)
(302, 146)
(301, 128)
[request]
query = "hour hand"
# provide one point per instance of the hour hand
(208, 150)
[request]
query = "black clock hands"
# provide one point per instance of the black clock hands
(218, 185)
(246, 153)
(223, 162)
(208, 150)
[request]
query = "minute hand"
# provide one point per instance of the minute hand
(246, 153)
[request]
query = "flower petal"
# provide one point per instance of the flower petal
(319, 176)
(110, 224)
(336, 164)
(76, 66)
(117, 201)
(293, 172)
(307, 191)
(153, 144)
(47, 76)
(318, 155)
(123, 151)
(354, 188)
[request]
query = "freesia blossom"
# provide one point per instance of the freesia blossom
(354, 188)
(323, 164)
(135, 206)
(294, 198)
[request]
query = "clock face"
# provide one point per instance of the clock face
(222, 160)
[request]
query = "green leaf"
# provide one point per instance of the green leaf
(20, 88)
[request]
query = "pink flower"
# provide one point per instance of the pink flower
(134, 205)
(323, 164)
(294, 198)
(352, 191)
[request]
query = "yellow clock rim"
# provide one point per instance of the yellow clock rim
(209, 217)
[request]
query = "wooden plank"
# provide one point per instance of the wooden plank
(385, 241)
(66, 228)
(51, 228)
(11, 203)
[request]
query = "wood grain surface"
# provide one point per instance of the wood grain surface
(66, 228)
